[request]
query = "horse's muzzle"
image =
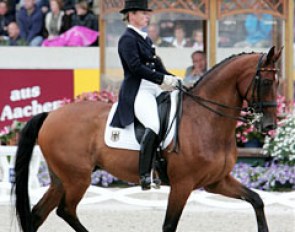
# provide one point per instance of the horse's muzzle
(266, 124)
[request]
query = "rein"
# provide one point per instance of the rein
(253, 112)
(202, 102)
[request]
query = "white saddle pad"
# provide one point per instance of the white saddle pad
(125, 138)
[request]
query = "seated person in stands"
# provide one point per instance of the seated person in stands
(179, 40)
(69, 6)
(55, 20)
(14, 38)
(5, 19)
(31, 21)
(259, 31)
(193, 73)
(84, 16)
(153, 33)
(197, 41)
(82, 29)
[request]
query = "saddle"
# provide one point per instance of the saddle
(169, 110)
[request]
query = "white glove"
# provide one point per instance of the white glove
(170, 80)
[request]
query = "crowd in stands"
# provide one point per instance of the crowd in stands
(73, 23)
(248, 30)
(42, 22)
(177, 39)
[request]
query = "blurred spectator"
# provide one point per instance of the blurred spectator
(258, 29)
(167, 29)
(12, 6)
(198, 40)
(43, 5)
(55, 22)
(5, 18)
(90, 3)
(153, 33)
(231, 30)
(69, 6)
(84, 16)
(194, 72)
(114, 30)
(83, 30)
(14, 38)
(30, 20)
(179, 40)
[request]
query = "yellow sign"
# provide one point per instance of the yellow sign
(86, 80)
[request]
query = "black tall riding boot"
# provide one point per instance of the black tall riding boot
(147, 149)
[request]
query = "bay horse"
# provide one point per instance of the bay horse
(71, 140)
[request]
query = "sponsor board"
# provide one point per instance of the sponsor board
(24, 93)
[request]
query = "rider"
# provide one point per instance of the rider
(143, 73)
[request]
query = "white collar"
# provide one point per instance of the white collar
(141, 33)
(176, 44)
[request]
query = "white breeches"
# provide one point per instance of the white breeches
(145, 105)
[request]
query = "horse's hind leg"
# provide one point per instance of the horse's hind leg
(234, 189)
(48, 202)
(74, 192)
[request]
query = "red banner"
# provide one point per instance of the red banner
(25, 93)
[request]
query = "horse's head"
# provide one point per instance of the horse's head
(261, 91)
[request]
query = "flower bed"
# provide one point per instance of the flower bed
(9, 134)
(274, 176)
(282, 145)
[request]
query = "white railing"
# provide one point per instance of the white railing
(131, 195)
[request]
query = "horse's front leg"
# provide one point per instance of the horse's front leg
(230, 187)
(178, 196)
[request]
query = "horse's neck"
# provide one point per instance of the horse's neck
(219, 86)
(222, 89)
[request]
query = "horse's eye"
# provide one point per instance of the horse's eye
(267, 83)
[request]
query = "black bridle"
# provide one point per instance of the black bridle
(257, 105)
(254, 112)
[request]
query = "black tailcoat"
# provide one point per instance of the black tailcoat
(139, 61)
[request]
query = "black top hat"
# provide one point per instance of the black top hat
(131, 5)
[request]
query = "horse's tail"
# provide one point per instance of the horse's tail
(24, 152)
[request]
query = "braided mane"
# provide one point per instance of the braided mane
(228, 59)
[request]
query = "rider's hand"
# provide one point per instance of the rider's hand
(170, 80)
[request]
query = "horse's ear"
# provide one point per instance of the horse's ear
(270, 55)
(278, 54)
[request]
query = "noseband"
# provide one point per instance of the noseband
(254, 112)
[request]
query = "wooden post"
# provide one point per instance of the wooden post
(102, 40)
(289, 53)
(212, 33)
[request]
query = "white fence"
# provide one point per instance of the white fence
(131, 195)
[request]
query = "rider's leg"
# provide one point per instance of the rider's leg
(147, 113)
(147, 149)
